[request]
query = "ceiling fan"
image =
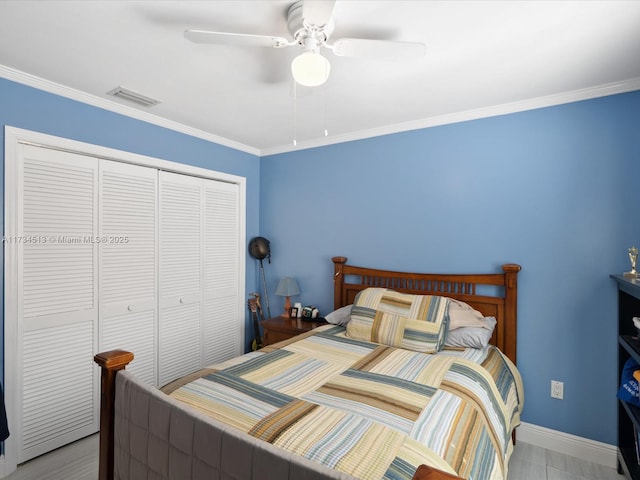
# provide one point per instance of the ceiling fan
(310, 23)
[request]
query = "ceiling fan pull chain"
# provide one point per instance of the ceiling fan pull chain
(324, 95)
(295, 113)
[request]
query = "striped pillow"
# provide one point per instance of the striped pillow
(413, 322)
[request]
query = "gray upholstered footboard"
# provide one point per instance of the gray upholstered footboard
(158, 438)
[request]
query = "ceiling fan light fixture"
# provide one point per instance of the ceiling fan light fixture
(310, 69)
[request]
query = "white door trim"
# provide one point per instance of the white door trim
(14, 137)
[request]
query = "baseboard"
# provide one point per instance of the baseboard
(584, 448)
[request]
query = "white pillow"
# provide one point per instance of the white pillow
(463, 315)
(340, 316)
(471, 337)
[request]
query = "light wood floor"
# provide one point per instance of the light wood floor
(529, 462)
(79, 461)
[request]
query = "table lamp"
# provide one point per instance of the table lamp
(287, 287)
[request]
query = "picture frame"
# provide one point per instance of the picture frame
(293, 312)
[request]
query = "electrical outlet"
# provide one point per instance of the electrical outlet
(557, 389)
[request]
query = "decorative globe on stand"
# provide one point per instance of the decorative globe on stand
(259, 248)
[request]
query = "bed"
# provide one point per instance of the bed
(332, 403)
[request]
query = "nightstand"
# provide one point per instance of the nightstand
(277, 329)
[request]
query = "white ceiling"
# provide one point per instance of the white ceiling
(483, 58)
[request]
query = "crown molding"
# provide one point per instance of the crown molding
(625, 86)
(72, 93)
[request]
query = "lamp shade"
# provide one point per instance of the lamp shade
(287, 287)
(310, 69)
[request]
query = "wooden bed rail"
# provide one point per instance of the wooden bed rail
(109, 362)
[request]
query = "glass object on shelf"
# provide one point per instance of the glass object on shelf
(633, 258)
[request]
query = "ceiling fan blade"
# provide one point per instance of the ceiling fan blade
(378, 49)
(240, 39)
(317, 12)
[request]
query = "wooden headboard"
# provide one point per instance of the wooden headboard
(496, 297)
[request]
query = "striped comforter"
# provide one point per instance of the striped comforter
(369, 410)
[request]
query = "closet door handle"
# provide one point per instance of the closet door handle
(130, 308)
(182, 300)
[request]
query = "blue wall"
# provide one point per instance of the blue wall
(32, 109)
(554, 189)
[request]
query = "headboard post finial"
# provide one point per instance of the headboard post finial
(511, 267)
(338, 281)
(109, 362)
(342, 260)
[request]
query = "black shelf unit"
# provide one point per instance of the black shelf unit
(628, 346)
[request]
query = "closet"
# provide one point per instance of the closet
(106, 254)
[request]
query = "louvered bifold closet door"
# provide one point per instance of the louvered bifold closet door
(57, 299)
(180, 278)
(222, 326)
(128, 260)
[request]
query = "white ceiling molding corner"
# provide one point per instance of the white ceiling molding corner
(626, 86)
(505, 109)
(93, 100)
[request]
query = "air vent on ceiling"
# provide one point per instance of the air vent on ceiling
(135, 97)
